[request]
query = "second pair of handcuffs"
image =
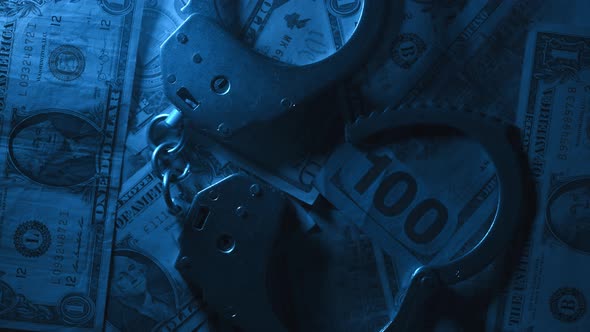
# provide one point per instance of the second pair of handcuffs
(221, 88)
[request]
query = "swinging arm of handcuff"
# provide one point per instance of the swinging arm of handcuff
(221, 87)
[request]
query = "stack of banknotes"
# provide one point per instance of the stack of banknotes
(90, 244)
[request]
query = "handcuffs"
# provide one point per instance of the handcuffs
(231, 227)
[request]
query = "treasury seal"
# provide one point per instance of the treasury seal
(343, 8)
(116, 7)
(567, 304)
(32, 239)
(407, 49)
(67, 62)
(76, 309)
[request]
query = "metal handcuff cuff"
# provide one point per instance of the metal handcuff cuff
(222, 232)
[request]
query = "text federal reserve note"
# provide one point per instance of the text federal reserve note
(66, 70)
(146, 291)
(550, 290)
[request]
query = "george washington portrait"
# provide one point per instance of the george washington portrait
(141, 295)
(55, 148)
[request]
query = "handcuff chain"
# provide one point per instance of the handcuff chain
(167, 150)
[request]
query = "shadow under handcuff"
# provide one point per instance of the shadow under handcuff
(237, 228)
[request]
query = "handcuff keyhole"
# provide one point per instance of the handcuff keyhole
(226, 244)
(188, 98)
(201, 218)
(220, 85)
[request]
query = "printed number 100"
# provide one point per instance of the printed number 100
(380, 163)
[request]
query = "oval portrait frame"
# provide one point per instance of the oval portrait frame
(31, 120)
(554, 194)
(150, 262)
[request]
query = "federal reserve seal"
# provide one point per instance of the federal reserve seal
(568, 214)
(407, 49)
(567, 304)
(32, 239)
(76, 309)
(343, 8)
(116, 7)
(7, 298)
(67, 62)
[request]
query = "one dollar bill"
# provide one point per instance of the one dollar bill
(66, 70)
(549, 290)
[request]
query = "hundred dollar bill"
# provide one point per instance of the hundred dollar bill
(550, 290)
(66, 70)
(421, 200)
(146, 291)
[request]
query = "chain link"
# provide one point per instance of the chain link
(167, 180)
(167, 152)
